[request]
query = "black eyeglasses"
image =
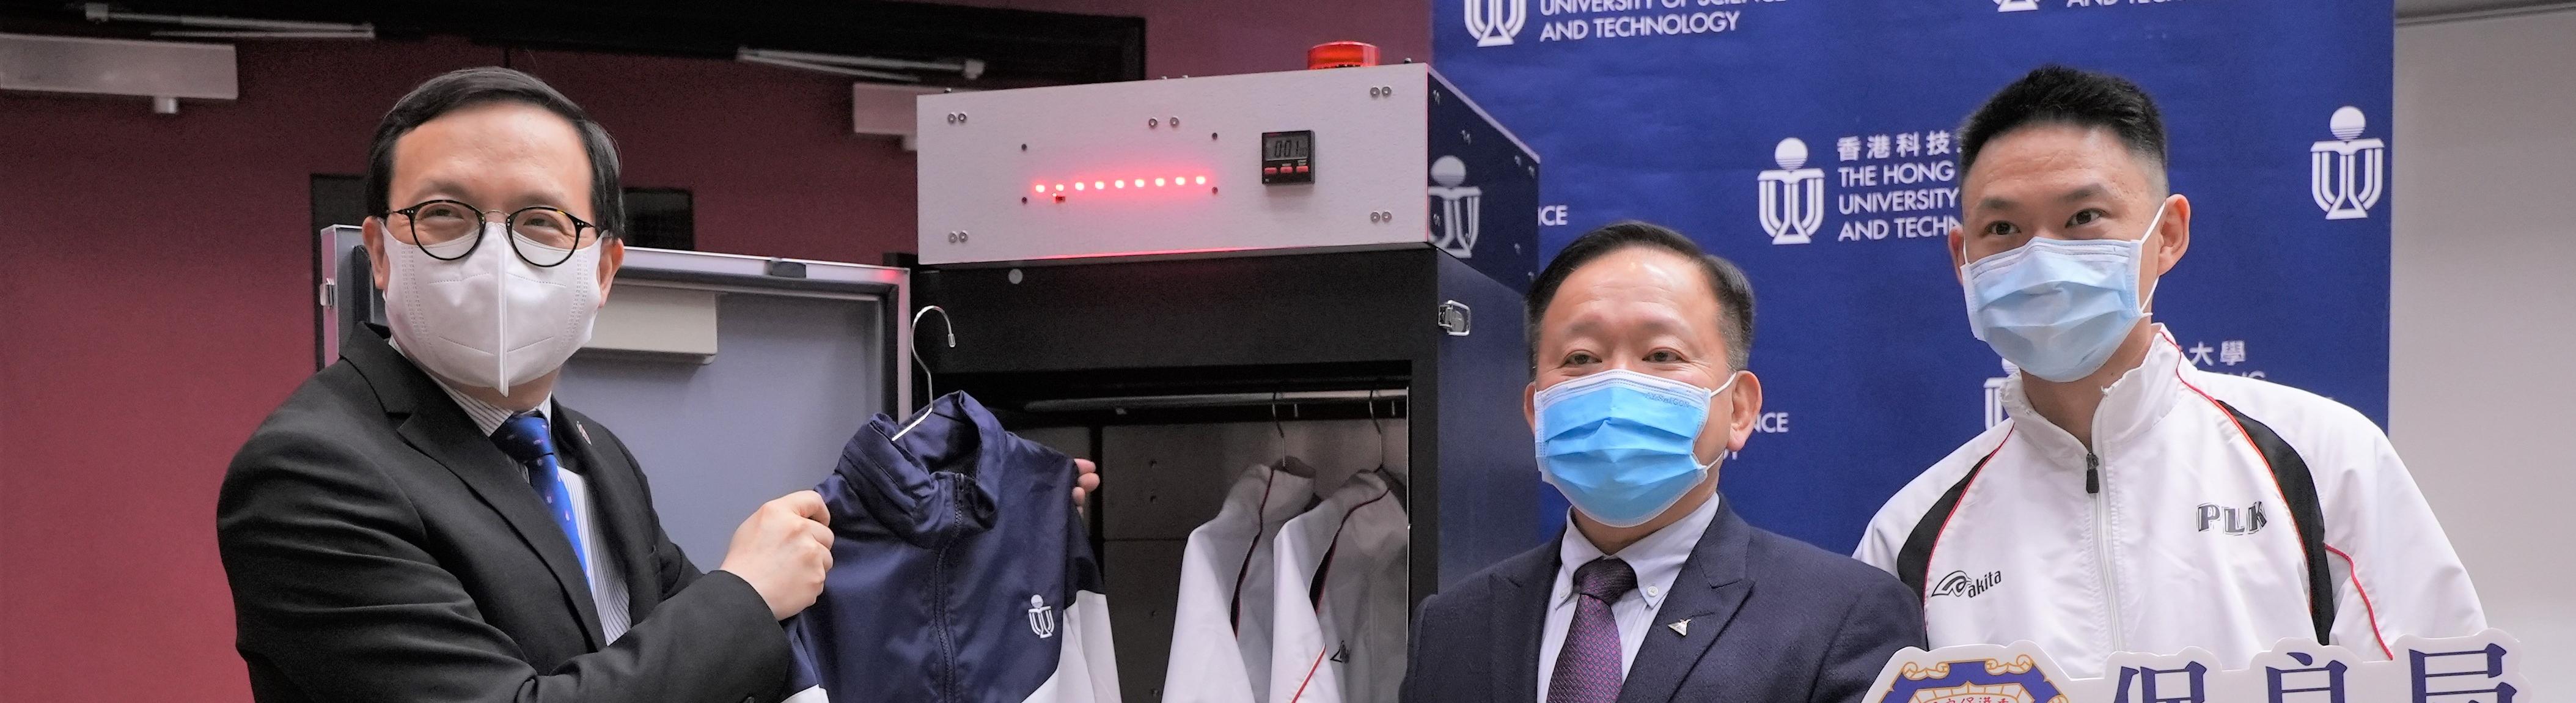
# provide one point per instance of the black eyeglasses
(546, 236)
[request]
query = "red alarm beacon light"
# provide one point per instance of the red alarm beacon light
(1341, 54)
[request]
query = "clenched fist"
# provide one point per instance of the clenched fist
(783, 550)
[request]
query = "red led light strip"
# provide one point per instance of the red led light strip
(1059, 189)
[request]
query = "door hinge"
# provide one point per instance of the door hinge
(1456, 318)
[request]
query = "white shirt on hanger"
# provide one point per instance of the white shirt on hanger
(1221, 622)
(1349, 643)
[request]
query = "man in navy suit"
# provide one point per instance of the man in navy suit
(1656, 590)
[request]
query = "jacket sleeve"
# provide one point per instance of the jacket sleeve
(1882, 619)
(1894, 522)
(333, 590)
(2395, 570)
(1414, 689)
(1880, 542)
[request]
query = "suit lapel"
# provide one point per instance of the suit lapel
(1521, 598)
(1711, 586)
(432, 424)
(617, 505)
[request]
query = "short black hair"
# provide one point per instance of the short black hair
(2055, 94)
(474, 86)
(1734, 293)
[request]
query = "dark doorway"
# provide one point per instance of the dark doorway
(661, 218)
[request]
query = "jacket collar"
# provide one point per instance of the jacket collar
(2130, 406)
(1521, 587)
(928, 479)
(442, 432)
(1657, 559)
(1711, 587)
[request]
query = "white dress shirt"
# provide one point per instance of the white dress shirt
(607, 584)
(1657, 559)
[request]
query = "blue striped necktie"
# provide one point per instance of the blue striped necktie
(527, 438)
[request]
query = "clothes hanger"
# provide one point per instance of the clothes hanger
(950, 325)
(1381, 430)
(1394, 483)
(1286, 463)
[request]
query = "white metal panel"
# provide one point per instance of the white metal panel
(645, 318)
(878, 108)
(118, 67)
(983, 155)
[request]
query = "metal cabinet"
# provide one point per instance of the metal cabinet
(1175, 374)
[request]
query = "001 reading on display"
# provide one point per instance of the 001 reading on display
(1287, 157)
(1288, 146)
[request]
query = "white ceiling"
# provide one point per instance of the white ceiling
(2416, 8)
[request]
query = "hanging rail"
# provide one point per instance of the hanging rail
(1211, 400)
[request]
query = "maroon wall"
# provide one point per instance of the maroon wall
(155, 297)
(1217, 37)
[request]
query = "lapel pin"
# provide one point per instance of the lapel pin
(583, 430)
(1680, 627)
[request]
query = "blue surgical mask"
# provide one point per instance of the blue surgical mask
(2059, 308)
(1619, 443)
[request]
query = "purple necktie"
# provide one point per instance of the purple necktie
(1587, 669)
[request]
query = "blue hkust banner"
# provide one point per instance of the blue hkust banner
(1814, 143)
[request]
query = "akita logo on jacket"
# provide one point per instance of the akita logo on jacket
(1958, 584)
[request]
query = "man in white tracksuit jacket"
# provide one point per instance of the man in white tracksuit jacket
(2134, 502)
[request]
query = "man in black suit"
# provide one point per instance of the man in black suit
(1655, 591)
(421, 522)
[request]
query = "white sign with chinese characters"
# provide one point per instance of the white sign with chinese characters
(2482, 668)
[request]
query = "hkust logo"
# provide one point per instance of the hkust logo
(1495, 22)
(1454, 208)
(2345, 173)
(1041, 617)
(1793, 196)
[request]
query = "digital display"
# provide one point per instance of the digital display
(1287, 157)
(1278, 146)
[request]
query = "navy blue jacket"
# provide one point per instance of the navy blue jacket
(1773, 620)
(955, 556)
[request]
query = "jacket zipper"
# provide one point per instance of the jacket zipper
(947, 675)
(2102, 547)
